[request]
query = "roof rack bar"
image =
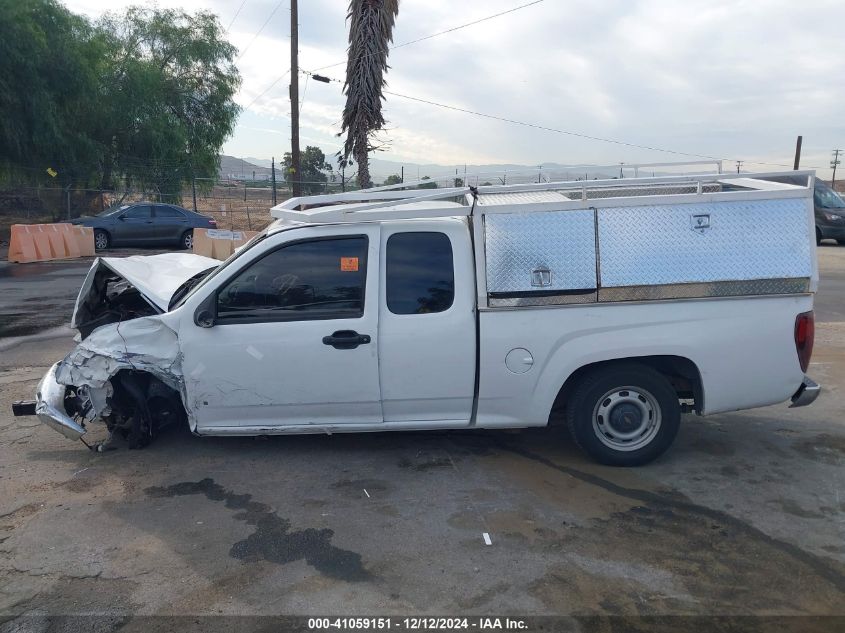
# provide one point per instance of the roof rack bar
(377, 193)
(329, 207)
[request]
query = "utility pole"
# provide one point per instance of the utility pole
(833, 164)
(402, 177)
(798, 152)
(739, 165)
(294, 100)
(273, 177)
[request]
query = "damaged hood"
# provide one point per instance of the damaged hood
(156, 277)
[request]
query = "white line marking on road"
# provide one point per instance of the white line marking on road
(366, 493)
(487, 540)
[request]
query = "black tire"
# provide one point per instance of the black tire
(840, 242)
(102, 240)
(187, 240)
(818, 236)
(647, 400)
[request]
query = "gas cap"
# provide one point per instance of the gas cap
(519, 360)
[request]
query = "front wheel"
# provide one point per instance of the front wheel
(624, 415)
(187, 240)
(818, 236)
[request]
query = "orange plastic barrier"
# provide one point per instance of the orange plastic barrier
(84, 238)
(42, 242)
(218, 243)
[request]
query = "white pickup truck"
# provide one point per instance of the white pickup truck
(614, 306)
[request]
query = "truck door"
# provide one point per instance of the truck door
(295, 337)
(427, 338)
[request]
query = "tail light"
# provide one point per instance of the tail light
(212, 223)
(805, 330)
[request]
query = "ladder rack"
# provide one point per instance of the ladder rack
(395, 203)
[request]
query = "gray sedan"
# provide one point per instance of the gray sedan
(145, 223)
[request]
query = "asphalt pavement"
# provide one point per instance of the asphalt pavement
(745, 515)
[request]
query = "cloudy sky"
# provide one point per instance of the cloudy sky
(737, 79)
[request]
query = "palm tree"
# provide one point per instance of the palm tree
(370, 33)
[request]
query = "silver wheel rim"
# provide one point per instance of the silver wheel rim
(189, 240)
(102, 241)
(626, 418)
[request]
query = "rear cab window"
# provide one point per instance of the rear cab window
(420, 273)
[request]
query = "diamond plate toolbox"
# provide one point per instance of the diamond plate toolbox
(563, 243)
(701, 242)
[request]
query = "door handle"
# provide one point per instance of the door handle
(346, 339)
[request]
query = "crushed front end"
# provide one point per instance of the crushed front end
(126, 369)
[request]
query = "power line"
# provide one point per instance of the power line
(304, 91)
(454, 28)
(235, 17)
(537, 126)
(550, 129)
(267, 89)
(576, 134)
(255, 37)
(556, 130)
(420, 39)
(566, 132)
(559, 131)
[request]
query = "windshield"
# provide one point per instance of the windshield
(112, 210)
(181, 300)
(828, 198)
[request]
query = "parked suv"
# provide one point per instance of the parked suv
(830, 214)
(145, 223)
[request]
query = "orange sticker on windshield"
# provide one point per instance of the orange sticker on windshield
(349, 264)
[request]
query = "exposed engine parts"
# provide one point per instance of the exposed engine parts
(117, 300)
(137, 407)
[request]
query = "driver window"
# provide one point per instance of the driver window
(317, 279)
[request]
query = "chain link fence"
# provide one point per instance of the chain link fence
(244, 204)
(237, 205)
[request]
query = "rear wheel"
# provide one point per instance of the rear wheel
(624, 415)
(101, 240)
(187, 240)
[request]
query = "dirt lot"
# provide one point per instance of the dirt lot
(744, 516)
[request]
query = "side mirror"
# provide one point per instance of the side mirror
(206, 313)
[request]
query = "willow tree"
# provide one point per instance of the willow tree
(370, 34)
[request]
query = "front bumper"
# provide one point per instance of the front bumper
(50, 406)
(806, 394)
